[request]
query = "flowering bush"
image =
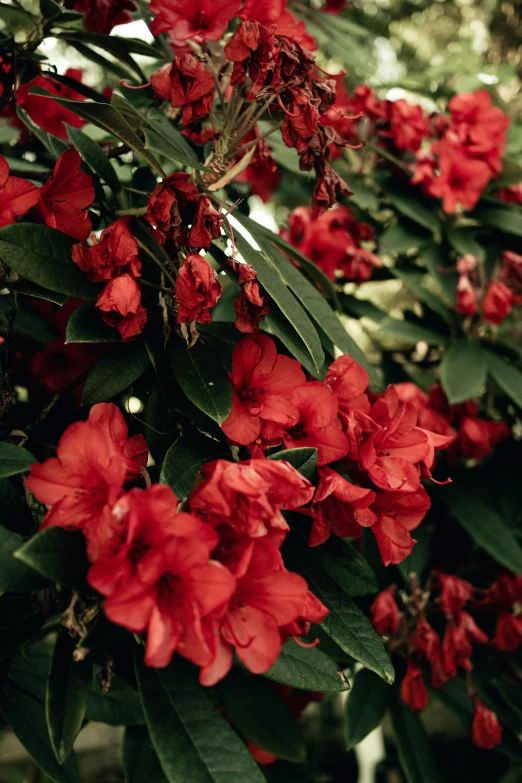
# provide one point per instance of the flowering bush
(240, 466)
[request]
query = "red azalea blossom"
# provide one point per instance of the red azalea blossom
(102, 15)
(120, 305)
(263, 382)
(197, 290)
(339, 507)
(200, 20)
(317, 425)
(486, 731)
(385, 614)
(413, 688)
(48, 114)
(17, 195)
(478, 437)
(206, 225)
(252, 305)
(94, 459)
(397, 514)
(496, 304)
(171, 206)
(187, 85)
(66, 196)
(115, 253)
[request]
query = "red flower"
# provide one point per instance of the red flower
(83, 482)
(263, 382)
(461, 179)
(252, 305)
(508, 632)
(457, 645)
(329, 188)
(385, 614)
(172, 206)
(339, 507)
(413, 688)
(249, 496)
(252, 50)
(454, 594)
(511, 274)
(496, 304)
(486, 731)
(120, 305)
(408, 126)
(317, 425)
(397, 514)
(197, 290)
(427, 644)
(478, 437)
(102, 15)
(206, 225)
(512, 194)
(481, 126)
(200, 20)
(115, 253)
(187, 85)
(262, 173)
(466, 296)
(161, 579)
(48, 114)
(66, 196)
(349, 382)
(17, 195)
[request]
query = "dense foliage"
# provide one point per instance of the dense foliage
(261, 393)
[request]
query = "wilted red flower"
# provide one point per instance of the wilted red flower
(397, 514)
(252, 49)
(457, 645)
(249, 495)
(48, 114)
(187, 85)
(384, 612)
(251, 306)
(17, 195)
(486, 731)
(115, 253)
(427, 644)
(200, 20)
(317, 425)
(477, 437)
(120, 305)
(263, 382)
(66, 196)
(496, 304)
(329, 188)
(408, 125)
(206, 224)
(94, 459)
(339, 507)
(508, 632)
(413, 688)
(172, 206)
(197, 290)
(454, 593)
(466, 296)
(102, 15)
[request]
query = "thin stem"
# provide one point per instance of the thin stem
(136, 211)
(156, 287)
(215, 74)
(157, 261)
(57, 397)
(247, 146)
(242, 132)
(388, 155)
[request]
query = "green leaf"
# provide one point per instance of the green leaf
(261, 716)
(304, 460)
(94, 157)
(14, 460)
(463, 241)
(511, 174)
(406, 200)
(140, 761)
(66, 696)
(506, 376)
(484, 525)
(26, 716)
(417, 562)
(54, 145)
(200, 374)
(346, 624)
(83, 89)
(462, 370)
(114, 372)
(347, 567)
(186, 457)
(413, 747)
(402, 237)
(193, 741)
(107, 66)
(119, 48)
(49, 9)
(508, 221)
(415, 281)
(277, 324)
(59, 555)
(31, 289)
(20, 622)
(408, 332)
(119, 706)
(108, 118)
(16, 577)
(86, 326)
(43, 256)
(365, 706)
(167, 141)
(307, 669)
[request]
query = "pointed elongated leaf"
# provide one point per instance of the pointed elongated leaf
(365, 706)
(347, 567)
(414, 281)
(508, 221)
(167, 141)
(406, 200)
(66, 696)
(14, 459)
(31, 289)
(54, 145)
(94, 157)
(120, 706)
(277, 324)
(59, 555)
(463, 370)
(193, 741)
(140, 762)
(506, 376)
(413, 747)
(200, 374)
(308, 669)
(186, 457)
(43, 256)
(114, 372)
(304, 460)
(86, 326)
(15, 576)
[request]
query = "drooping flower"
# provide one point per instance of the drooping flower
(496, 304)
(115, 253)
(398, 513)
(384, 612)
(251, 306)
(120, 306)
(197, 290)
(172, 207)
(454, 593)
(66, 196)
(17, 195)
(486, 731)
(206, 224)
(187, 85)
(413, 688)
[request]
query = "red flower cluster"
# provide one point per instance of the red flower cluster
(334, 241)
(102, 15)
(187, 85)
(474, 437)
(114, 259)
(200, 20)
(197, 290)
(497, 299)
(505, 598)
(381, 444)
(199, 583)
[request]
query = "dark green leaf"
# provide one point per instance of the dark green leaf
(347, 567)
(304, 460)
(463, 370)
(412, 742)
(80, 87)
(164, 140)
(193, 741)
(436, 261)
(463, 241)
(86, 326)
(365, 706)
(408, 332)
(277, 324)
(418, 560)
(14, 460)
(114, 372)
(31, 289)
(26, 717)
(94, 157)
(20, 622)
(509, 221)
(415, 281)
(402, 237)
(120, 706)
(307, 669)
(186, 457)
(59, 555)
(140, 762)
(406, 200)
(54, 145)
(506, 376)
(107, 66)
(511, 174)
(200, 374)
(16, 577)
(66, 696)
(49, 9)
(115, 45)
(43, 256)
(484, 525)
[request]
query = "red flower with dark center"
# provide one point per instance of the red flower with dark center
(461, 179)
(114, 254)
(486, 731)
(102, 15)
(66, 196)
(385, 614)
(317, 425)
(120, 305)
(339, 507)
(172, 206)
(200, 20)
(197, 290)
(187, 85)
(413, 688)
(17, 195)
